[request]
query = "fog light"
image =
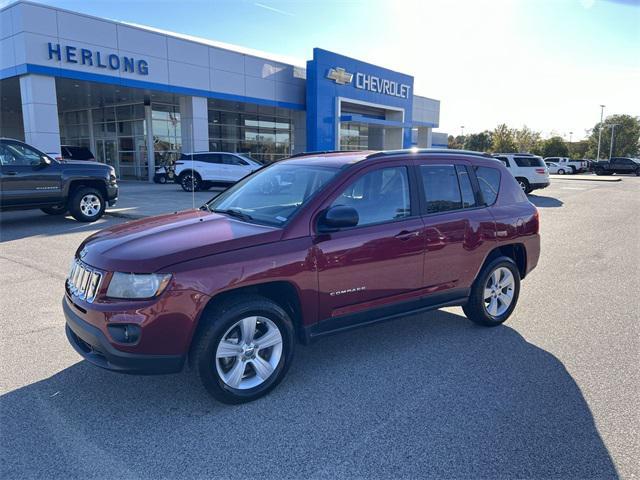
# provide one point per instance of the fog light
(124, 333)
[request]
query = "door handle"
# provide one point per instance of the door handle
(10, 173)
(406, 234)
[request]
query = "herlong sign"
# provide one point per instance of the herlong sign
(95, 58)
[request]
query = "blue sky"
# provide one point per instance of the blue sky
(548, 64)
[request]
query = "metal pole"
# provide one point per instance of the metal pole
(613, 133)
(600, 133)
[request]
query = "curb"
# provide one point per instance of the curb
(585, 179)
(126, 216)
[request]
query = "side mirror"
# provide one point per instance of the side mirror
(44, 161)
(335, 218)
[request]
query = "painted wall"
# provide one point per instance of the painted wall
(323, 92)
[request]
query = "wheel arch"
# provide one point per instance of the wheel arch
(283, 293)
(74, 185)
(515, 251)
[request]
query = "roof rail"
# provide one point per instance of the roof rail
(317, 152)
(516, 153)
(415, 151)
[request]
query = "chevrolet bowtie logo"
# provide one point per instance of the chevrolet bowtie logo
(339, 75)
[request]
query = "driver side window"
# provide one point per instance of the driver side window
(379, 196)
(15, 154)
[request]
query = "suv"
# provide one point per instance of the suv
(529, 170)
(195, 171)
(351, 238)
(31, 179)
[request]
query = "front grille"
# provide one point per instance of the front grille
(83, 281)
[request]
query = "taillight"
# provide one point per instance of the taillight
(536, 221)
(540, 170)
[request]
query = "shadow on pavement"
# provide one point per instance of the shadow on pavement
(545, 202)
(425, 396)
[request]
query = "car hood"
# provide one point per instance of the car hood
(154, 243)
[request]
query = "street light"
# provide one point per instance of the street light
(600, 133)
(462, 127)
(570, 136)
(613, 132)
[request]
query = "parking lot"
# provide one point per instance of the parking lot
(551, 393)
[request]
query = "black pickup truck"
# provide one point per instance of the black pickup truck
(618, 165)
(30, 179)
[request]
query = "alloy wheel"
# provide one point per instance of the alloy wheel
(249, 352)
(498, 291)
(90, 205)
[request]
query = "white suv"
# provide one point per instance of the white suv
(529, 170)
(201, 170)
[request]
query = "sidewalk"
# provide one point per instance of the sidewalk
(142, 199)
(590, 177)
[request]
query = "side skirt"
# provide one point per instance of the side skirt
(454, 298)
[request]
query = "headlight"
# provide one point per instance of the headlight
(133, 285)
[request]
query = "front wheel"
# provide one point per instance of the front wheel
(561, 172)
(494, 293)
(190, 181)
(244, 349)
(87, 204)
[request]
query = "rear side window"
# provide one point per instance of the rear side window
(489, 180)
(233, 160)
(441, 189)
(504, 160)
(529, 161)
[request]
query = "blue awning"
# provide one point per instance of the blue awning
(373, 121)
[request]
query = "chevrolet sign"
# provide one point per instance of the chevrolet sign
(340, 75)
(369, 82)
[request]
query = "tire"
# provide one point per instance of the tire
(560, 171)
(573, 169)
(87, 204)
(162, 179)
(480, 306)
(57, 210)
(599, 172)
(638, 172)
(230, 374)
(190, 181)
(524, 185)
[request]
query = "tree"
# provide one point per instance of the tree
(554, 147)
(456, 142)
(578, 150)
(479, 142)
(526, 139)
(626, 142)
(502, 139)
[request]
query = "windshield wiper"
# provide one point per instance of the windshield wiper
(235, 213)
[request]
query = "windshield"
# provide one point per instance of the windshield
(274, 194)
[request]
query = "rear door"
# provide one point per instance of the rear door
(212, 167)
(458, 228)
(532, 168)
(379, 261)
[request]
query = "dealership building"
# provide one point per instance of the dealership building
(138, 96)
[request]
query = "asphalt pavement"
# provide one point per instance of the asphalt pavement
(552, 393)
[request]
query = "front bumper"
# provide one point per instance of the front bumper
(112, 194)
(91, 343)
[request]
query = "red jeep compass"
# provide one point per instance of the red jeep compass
(308, 246)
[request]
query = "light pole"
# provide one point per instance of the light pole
(613, 132)
(600, 133)
(570, 137)
(462, 128)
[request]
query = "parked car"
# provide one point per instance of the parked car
(353, 238)
(574, 166)
(164, 174)
(618, 165)
(558, 169)
(71, 152)
(529, 170)
(201, 170)
(30, 179)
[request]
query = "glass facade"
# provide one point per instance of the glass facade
(167, 133)
(354, 136)
(264, 133)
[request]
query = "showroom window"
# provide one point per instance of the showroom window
(262, 132)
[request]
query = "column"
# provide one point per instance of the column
(151, 154)
(194, 123)
(424, 137)
(40, 112)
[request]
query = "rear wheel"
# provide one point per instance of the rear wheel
(56, 210)
(244, 349)
(190, 181)
(87, 204)
(494, 293)
(524, 185)
(560, 172)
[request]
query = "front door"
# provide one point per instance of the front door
(379, 261)
(27, 176)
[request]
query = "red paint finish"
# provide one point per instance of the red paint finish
(331, 274)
